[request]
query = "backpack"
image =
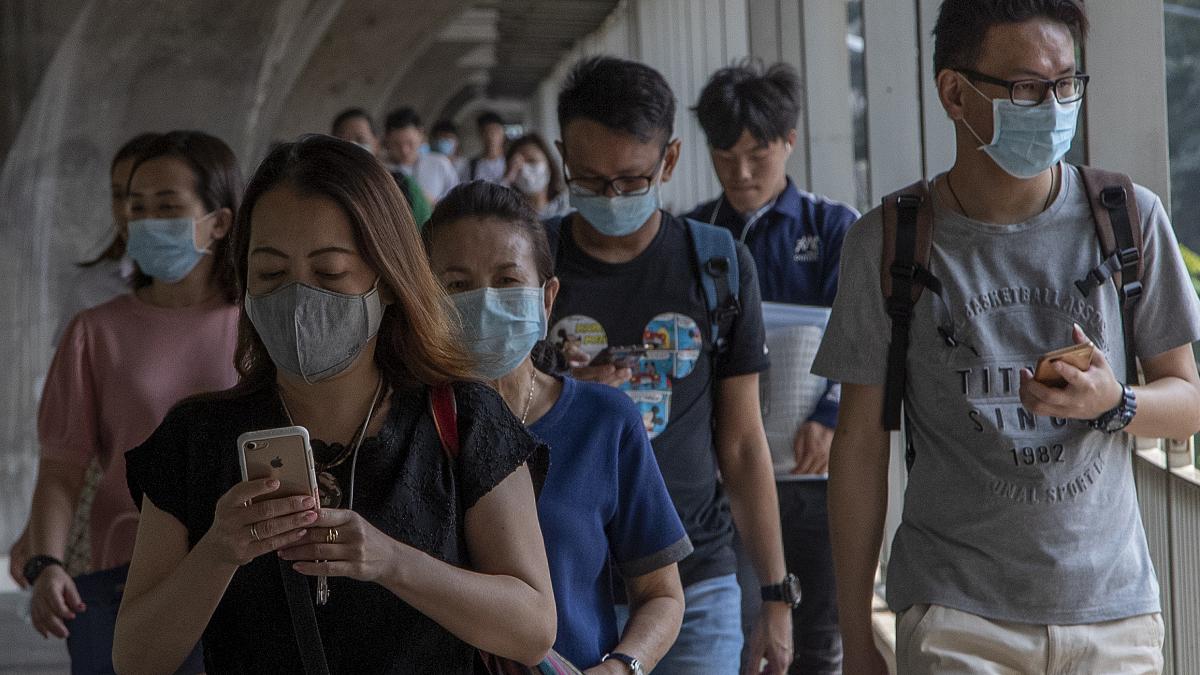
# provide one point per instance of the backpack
(714, 254)
(904, 274)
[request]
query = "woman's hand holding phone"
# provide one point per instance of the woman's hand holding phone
(242, 531)
(345, 545)
(1087, 394)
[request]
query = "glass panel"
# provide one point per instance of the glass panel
(1182, 27)
(1183, 116)
(858, 104)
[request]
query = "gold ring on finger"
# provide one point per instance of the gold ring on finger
(254, 533)
(332, 536)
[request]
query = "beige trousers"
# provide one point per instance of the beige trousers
(937, 639)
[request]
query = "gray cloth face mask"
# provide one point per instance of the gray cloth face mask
(313, 333)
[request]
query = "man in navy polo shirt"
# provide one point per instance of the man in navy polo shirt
(749, 115)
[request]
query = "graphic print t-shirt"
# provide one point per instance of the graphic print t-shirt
(656, 301)
(1009, 515)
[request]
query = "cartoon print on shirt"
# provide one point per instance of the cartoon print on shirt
(673, 344)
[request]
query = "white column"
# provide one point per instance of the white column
(1126, 103)
(894, 78)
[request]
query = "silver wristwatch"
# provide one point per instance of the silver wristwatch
(635, 666)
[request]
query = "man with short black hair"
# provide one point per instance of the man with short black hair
(1020, 548)
(404, 145)
(749, 114)
(488, 165)
(633, 312)
(356, 126)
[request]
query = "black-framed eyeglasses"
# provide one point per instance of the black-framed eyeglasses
(623, 186)
(1032, 91)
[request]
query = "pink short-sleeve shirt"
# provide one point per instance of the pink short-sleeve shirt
(118, 369)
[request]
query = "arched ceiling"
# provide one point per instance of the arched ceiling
(438, 56)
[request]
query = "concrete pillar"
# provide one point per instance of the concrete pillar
(120, 69)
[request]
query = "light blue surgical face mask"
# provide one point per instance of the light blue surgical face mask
(501, 325)
(446, 146)
(1027, 140)
(165, 248)
(618, 216)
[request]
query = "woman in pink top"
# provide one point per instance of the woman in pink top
(121, 366)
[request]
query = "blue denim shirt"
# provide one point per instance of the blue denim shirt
(796, 242)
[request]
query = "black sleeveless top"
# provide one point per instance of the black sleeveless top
(405, 487)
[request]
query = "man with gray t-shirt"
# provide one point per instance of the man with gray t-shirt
(1020, 548)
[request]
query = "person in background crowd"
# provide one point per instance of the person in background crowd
(427, 558)
(490, 164)
(630, 282)
(749, 116)
(604, 495)
(532, 173)
(444, 135)
(403, 137)
(95, 282)
(120, 367)
(355, 125)
(1020, 548)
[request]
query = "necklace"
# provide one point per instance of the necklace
(963, 210)
(529, 401)
(328, 487)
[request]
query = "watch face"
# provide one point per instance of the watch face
(791, 585)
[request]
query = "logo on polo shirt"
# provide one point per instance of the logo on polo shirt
(808, 249)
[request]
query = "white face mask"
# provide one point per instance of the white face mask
(532, 178)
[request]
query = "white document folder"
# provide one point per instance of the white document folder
(789, 391)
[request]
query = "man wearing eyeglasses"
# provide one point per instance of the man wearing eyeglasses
(629, 283)
(1020, 548)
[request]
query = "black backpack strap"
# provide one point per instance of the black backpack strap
(904, 272)
(472, 168)
(304, 620)
(1118, 227)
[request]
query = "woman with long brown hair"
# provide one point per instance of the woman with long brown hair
(344, 332)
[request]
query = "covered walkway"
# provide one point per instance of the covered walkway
(78, 77)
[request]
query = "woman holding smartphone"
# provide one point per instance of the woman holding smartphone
(117, 371)
(345, 332)
(604, 501)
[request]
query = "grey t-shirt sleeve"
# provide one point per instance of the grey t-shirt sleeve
(854, 348)
(1168, 314)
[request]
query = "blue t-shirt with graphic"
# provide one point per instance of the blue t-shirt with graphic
(603, 499)
(655, 302)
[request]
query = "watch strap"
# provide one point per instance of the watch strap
(786, 591)
(1120, 416)
(37, 564)
(634, 665)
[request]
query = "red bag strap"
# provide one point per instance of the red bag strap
(445, 417)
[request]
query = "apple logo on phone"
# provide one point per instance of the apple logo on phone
(277, 463)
